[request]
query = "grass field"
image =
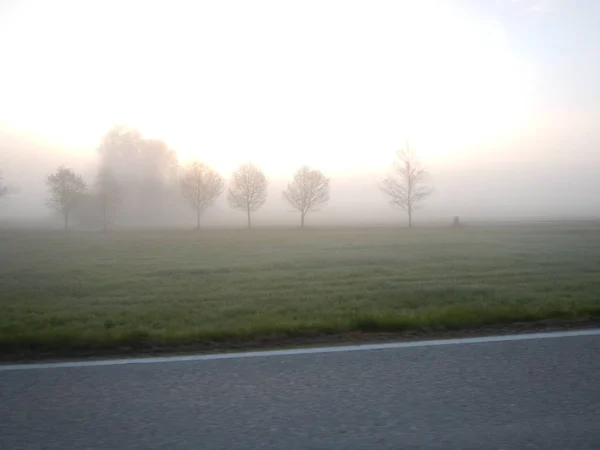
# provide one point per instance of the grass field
(62, 291)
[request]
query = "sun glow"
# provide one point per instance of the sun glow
(337, 85)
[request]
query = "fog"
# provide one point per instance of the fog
(475, 187)
(520, 141)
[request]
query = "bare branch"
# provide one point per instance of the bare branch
(308, 191)
(249, 190)
(201, 185)
(407, 191)
(66, 190)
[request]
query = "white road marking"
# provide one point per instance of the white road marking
(300, 351)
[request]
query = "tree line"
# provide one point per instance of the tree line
(134, 172)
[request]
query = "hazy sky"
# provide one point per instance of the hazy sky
(336, 84)
(503, 90)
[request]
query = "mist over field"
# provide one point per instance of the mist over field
(499, 101)
(546, 184)
(243, 174)
(299, 224)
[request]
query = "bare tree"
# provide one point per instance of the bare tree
(200, 185)
(408, 190)
(109, 195)
(308, 191)
(249, 191)
(66, 189)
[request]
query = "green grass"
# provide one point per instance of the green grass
(79, 290)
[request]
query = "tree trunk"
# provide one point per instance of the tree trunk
(198, 217)
(409, 217)
(302, 219)
(66, 220)
(249, 220)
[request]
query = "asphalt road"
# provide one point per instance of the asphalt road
(525, 394)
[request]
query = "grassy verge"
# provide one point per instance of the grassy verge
(65, 292)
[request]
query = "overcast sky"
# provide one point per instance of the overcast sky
(340, 85)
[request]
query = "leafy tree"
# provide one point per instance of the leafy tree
(122, 144)
(135, 161)
(408, 189)
(249, 191)
(145, 171)
(66, 189)
(157, 165)
(308, 191)
(201, 185)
